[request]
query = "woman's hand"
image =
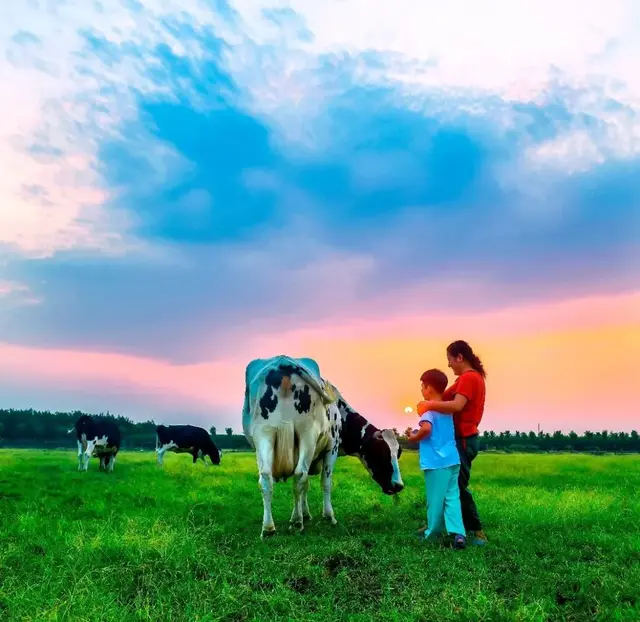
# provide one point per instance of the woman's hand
(423, 407)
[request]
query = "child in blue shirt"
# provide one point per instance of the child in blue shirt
(440, 461)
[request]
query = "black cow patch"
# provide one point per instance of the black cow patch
(345, 408)
(268, 402)
(302, 400)
(273, 380)
(274, 376)
(351, 430)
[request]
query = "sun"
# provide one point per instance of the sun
(408, 410)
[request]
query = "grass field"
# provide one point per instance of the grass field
(183, 543)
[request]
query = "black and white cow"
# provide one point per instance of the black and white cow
(186, 439)
(97, 437)
(296, 434)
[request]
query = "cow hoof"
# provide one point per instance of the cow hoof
(267, 533)
(331, 519)
(307, 518)
(296, 527)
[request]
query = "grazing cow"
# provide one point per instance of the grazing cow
(186, 439)
(97, 437)
(298, 424)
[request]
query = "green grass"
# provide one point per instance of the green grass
(183, 543)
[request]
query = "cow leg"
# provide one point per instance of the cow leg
(80, 452)
(328, 463)
(201, 457)
(112, 462)
(306, 448)
(102, 466)
(158, 458)
(306, 512)
(88, 452)
(296, 521)
(264, 455)
(161, 452)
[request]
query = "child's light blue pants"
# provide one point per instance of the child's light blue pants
(443, 502)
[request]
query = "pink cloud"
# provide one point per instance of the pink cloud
(557, 364)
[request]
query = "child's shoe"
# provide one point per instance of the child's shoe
(459, 542)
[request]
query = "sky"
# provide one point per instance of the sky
(190, 185)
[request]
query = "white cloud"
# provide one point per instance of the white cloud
(14, 293)
(463, 51)
(522, 51)
(507, 48)
(62, 102)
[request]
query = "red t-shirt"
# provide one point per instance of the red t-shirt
(471, 385)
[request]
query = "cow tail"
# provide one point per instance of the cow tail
(285, 386)
(283, 451)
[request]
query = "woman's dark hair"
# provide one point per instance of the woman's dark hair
(462, 348)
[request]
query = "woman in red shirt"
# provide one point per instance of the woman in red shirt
(464, 399)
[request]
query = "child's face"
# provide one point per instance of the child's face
(427, 391)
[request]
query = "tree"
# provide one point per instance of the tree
(229, 431)
(213, 431)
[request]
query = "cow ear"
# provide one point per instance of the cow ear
(377, 435)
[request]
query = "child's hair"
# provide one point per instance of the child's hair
(436, 379)
(462, 348)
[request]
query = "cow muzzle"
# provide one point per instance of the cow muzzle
(395, 488)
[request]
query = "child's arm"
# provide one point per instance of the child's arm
(424, 432)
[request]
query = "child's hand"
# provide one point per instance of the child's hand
(408, 432)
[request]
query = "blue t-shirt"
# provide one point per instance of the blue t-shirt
(438, 450)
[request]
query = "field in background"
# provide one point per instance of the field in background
(183, 543)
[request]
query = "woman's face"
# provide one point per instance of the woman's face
(455, 363)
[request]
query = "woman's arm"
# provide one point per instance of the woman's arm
(447, 408)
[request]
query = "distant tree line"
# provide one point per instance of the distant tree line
(33, 428)
(604, 441)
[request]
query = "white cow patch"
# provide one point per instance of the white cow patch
(90, 447)
(394, 446)
(160, 452)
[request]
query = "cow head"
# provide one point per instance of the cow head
(214, 455)
(379, 454)
(378, 450)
